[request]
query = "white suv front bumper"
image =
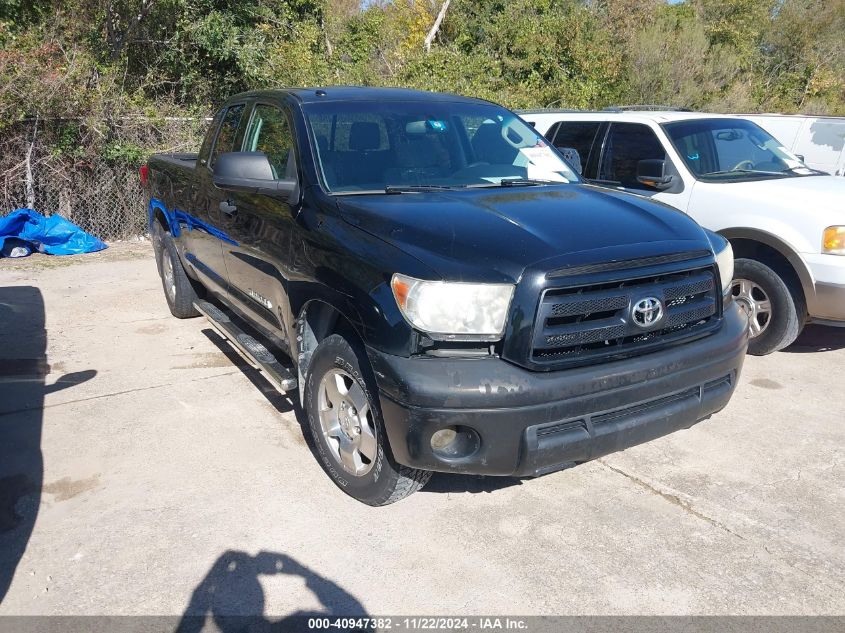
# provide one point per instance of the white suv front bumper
(828, 304)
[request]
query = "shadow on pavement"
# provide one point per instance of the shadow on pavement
(283, 403)
(23, 368)
(231, 594)
(818, 338)
(449, 483)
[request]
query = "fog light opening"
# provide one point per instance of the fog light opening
(442, 438)
(454, 442)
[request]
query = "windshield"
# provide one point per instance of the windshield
(733, 149)
(411, 145)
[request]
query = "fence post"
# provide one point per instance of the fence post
(30, 187)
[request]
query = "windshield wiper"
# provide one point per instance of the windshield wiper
(419, 188)
(725, 172)
(527, 182)
(802, 168)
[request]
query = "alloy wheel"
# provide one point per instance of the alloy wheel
(756, 304)
(347, 422)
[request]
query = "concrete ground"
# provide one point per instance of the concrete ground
(173, 480)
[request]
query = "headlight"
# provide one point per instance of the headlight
(448, 310)
(724, 259)
(833, 241)
(725, 262)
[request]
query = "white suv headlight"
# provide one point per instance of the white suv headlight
(833, 241)
(454, 311)
(725, 262)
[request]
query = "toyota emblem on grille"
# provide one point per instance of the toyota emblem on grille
(647, 312)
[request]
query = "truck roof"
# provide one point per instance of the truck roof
(360, 93)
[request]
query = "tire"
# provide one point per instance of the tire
(377, 479)
(179, 289)
(157, 237)
(757, 286)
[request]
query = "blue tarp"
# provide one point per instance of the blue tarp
(53, 235)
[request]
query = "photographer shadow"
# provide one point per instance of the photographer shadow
(24, 369)
(232, 596)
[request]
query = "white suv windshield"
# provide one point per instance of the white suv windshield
(732, 149)
(390, 146)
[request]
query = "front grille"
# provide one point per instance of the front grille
(589, 323)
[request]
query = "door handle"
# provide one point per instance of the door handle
(228, 208)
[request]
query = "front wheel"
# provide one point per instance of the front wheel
(345, 421)
(775, 314)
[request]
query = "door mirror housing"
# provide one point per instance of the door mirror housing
(571, 154)
(652, 173)
(251, 172)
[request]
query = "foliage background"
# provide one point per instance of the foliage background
(88, 83)
(96, 61)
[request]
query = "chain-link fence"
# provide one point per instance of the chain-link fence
(106, 201)
(44, 167)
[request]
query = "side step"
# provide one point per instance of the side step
(253, 352)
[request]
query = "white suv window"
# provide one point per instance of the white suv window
(624, 147)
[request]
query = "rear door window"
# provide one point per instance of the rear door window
(625, 146)
(270, 134)
(228, 133)
(578, 135)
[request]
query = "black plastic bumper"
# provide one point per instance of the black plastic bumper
(530, 423)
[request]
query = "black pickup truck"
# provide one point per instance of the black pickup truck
(440, 285)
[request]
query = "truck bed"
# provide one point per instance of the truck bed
(185, 160)
(171, 178)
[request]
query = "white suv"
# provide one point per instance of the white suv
(785, 221)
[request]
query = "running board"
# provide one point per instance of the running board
(258, 356)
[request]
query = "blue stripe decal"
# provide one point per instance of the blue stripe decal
(176, 219)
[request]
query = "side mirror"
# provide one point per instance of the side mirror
(652, 173)
(571, 154)
(251, 172)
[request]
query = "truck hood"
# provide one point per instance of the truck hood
(492, 235)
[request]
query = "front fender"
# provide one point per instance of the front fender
(786, 249)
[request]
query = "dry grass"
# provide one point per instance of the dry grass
(117, 251)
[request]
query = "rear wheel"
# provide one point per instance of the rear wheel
(179, 289)
(775, 313)
(345, 421)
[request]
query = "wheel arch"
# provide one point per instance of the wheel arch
(763, 246)
(159, 213)
(318, 319)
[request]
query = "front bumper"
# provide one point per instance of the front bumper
(829, 306)
(827, 303)
(530, 423)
